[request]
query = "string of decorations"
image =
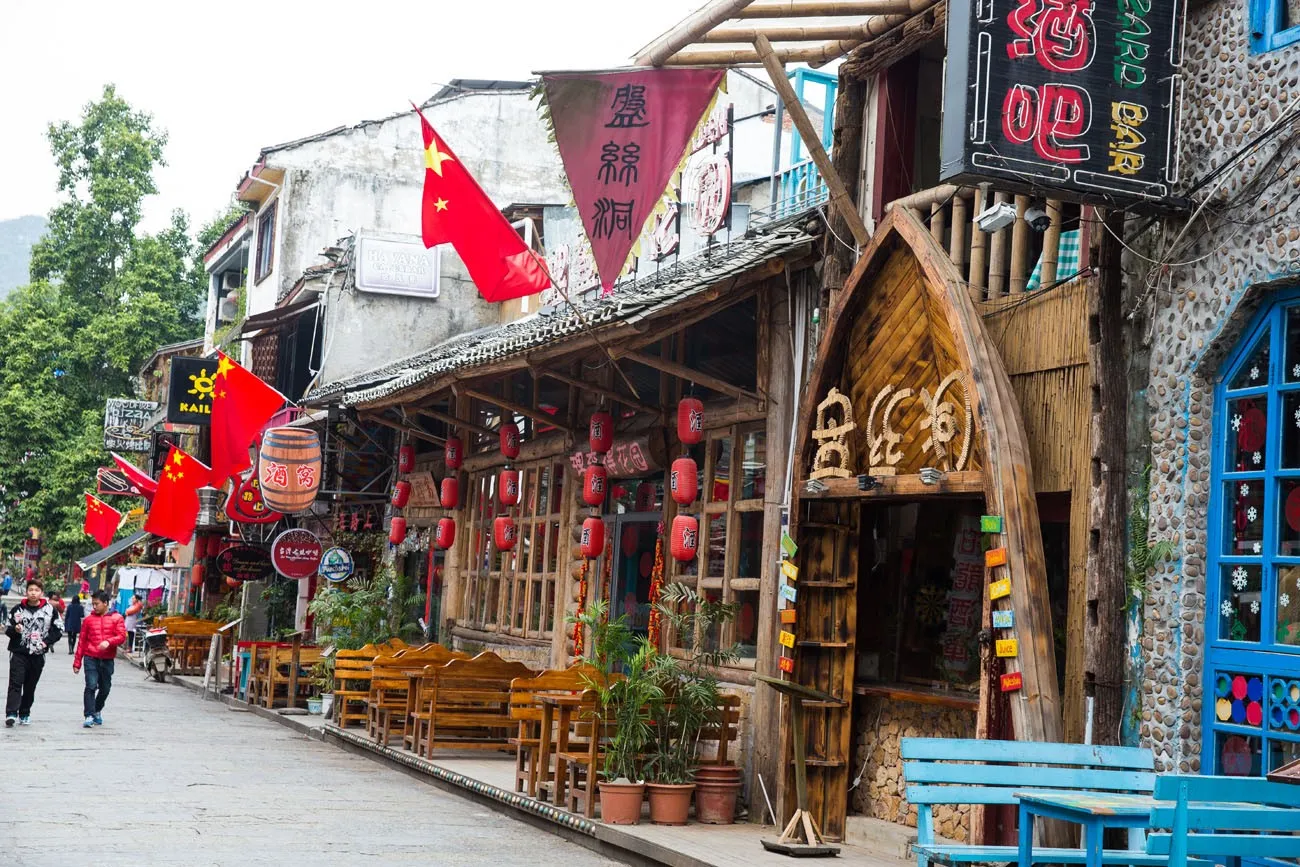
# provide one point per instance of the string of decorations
(605, 581)
(656, 589)
(578, 647)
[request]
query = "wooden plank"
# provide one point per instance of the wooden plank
(518, 409)
(398, 426)
(591, 388)
(902, 486)
(448, 418)
(687, 374)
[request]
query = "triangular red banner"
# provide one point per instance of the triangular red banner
(621, 136)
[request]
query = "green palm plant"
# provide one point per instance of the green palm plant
(1143, 554)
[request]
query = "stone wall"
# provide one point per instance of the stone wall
(1198, 305)
(878, 725)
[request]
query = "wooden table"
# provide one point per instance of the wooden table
(565, 705)
(1095, 811)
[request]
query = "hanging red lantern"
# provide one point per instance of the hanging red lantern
(510, 440)
(601, 432)
(446, 534)
(690, 420)
(196, 575)
(684, 481)
(685, 538)
(449, 495)
(593, 538)
(397, 531)
(508, 487)
(454, 453)
(406, 459)
(594, 480)
(504, 533)
(401, 494)
(645, 497)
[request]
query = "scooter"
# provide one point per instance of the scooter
(158, 660)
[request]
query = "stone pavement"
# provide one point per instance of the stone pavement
(171, 779)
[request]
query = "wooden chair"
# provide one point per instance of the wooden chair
(352, 673)
(1224, 819)
(524, 707)
(726, 730)
(387, 709)
(279, 662)
(465, 704)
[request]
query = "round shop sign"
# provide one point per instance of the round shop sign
(336, 565)
(296, 553)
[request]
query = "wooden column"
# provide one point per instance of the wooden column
(850, 104)
(1051, 244)
(453, 581)
(978, 278)
(1020, 247)
(998, 257)
(1106, 646)
(957, 242)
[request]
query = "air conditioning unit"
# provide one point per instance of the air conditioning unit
(228, 309)
(230, 281)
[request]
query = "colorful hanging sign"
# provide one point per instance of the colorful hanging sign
(999, 589)
(786, 664)
(245, 563)
(621, 135)
(1004, 619)
(189, 392)
(786, 638)
(990, 523)
(1012, 681)
(788, 616)
(995, 557)
(788, 546)
(245, 505)
(296, 553)
(126, 424)
(1007, 647)
(336, 565)
(789, 570)
(788, 593)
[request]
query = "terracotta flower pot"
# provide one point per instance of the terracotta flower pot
(670, 804)
(620, 803)
(715, 801)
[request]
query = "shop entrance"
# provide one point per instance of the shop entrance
(632, 531)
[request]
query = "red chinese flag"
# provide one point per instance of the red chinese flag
(101, 521)
(241, 406)
(175, 508)
(138, 479)
(456, 211)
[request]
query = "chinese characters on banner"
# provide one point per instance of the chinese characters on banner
(1079, 96)
(621, 135)
(965, 602)
(125, 423)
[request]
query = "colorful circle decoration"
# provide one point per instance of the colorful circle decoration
(1253, 430)
(1279, 690)
(1223, 710)
(1294, 689)
(1293, 719)
(1238, 712)
(1254, 713)
(1234, 758)
(1277, 716)
(1222, 684)
(1255, 688)
(1239, 687)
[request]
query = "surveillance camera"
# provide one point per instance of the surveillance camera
(996, 217)
(1038, 219)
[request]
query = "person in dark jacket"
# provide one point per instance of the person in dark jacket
(72, 622)
(33, 627)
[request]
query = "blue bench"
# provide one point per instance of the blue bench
(1225, 819)
(962, 772)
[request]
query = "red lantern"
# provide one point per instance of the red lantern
(449, 496)
(397, 531)
(454, 453)
(645, 497)
(685, 538)
(406, 459)
(401, 494)
(446, 534)
(690, 420)
(593, 538)
(684, 480)
(510, 440)
(505, 533)
(196, 575)
(594, 480)
(508, 487)
(601, 432)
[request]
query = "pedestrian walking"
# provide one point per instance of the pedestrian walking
(103, 632)
(33, 627)
(72, 622)
(132, 615)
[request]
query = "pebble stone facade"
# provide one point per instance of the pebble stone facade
(1197, 312)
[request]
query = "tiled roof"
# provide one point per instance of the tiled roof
(631, 301)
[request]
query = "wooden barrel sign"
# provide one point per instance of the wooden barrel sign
(289, 468)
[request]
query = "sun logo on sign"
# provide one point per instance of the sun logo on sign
(202, 383)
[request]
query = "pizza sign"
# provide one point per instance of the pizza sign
(296, 553)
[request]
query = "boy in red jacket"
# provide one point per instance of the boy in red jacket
(102, 633)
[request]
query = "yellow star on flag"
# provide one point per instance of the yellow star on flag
(441, 204)
(434, 158)
(224, 366)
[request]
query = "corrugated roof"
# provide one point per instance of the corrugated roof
(631, 301)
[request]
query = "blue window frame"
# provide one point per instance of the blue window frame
(1251, 700)
(1271, 25)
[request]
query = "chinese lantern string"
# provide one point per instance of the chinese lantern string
(582, 607)
(605, 578)
(656, 587)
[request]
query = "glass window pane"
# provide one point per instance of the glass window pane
(1244, 533)
(637, 495)
(1254, 370)
(1290, 423)
(543, 490)
(1291, 367)
(553, 548)
(751, 545)
(1288, 518)
(1246, 435)
(1236, 755)
(535, 615)
(1284, 704)
(1288, 605)
(549, 623)
(720, 489)
(1282, 752)
(1239, 604)
(717, 539)
(526, 549)
(557, 488)
(746, 628)
(754, 464)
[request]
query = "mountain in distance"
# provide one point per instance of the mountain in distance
(16, 239)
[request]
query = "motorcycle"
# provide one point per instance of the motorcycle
(158, 660)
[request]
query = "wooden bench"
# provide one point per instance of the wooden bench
(1224, 819)
(390, 682)
(465, 704)
(352, 673)
(525, 707)
(963, 772)
(275, 688)
(189, 640)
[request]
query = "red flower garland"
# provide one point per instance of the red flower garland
(656, 587)
(605, 578)
(582, 607)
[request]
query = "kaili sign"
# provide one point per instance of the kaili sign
(1079, 97)
(189, 392)
(296, 553)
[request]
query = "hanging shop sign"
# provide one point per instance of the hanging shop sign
(424, 490)
(245, 563)
(337, 565)
(296, 553)
(397, 267)
(1078, 97)
(189, 392)
(1004, 619)
(628, 458)
(1006, 647)
(245, 504)
(708, 188)
(1011, 682)
(999, 589)
(109, 482)
(126, 425)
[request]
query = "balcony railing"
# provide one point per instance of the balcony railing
(799, 188)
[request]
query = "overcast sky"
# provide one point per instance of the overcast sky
(226, 79)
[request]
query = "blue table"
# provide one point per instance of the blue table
(1095, 811)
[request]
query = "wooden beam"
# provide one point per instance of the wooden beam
(519, 409)
(925, 25)
(840, 198)
(681, 371)
(827, 8)
(749, 57)
(597, 389)
(451, 420)
(398, 426)
(688, 31)
(859, 31)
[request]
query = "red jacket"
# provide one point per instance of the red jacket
(96, 629)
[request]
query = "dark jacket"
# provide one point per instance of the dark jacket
(32, 630)
(72, 617)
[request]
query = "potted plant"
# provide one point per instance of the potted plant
(688, 707)
(624, 707)
(322, 678)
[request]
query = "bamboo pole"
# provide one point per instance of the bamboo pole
(867, 29)
(938, 218)
(978, 251)
(1051, 244)
(840, 198)
(828, 8)
(688, 31)
(998, 257)
(957, 243)
(1020, 247)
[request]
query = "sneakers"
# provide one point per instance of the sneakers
(90, 721)
(99, 720)
(24, 720)
(10, 720)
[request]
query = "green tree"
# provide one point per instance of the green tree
(103, 297)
